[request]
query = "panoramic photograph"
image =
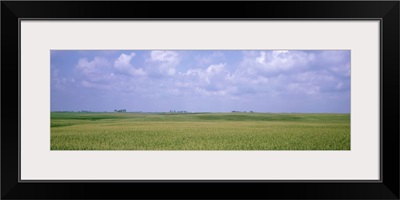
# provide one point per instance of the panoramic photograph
(200, 100)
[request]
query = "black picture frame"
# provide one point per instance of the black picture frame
(386, 11)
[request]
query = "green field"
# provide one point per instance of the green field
(199, 131)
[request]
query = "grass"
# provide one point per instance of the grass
(199, 131)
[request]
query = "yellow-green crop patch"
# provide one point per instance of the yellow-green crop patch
(199, 131)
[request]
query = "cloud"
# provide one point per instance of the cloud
(215, 69)
(164, 62)
(101, 73)
(90, 67)
(272, 63)
(229, 76)
(164, 56)
(212, 80)
(96, 70)
(211, 75)
(288, 73)
(124, 60)
(123, 65)
(96, 74)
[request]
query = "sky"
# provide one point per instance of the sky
(311, 81)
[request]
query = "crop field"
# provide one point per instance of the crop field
(199, 131)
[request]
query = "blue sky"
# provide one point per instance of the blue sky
(201, 80)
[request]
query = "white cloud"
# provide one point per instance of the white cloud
(205, 76)
(164, 56)
(266, 73)
(96, 70)
(124, 60)
(215, 69)
(89, 67)
(228, 80)
(261, 58)
(123, 65)
(213, 80)
(278, 52)
(285, 72)
(271, 63)
(164, 62)
(100, 73)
